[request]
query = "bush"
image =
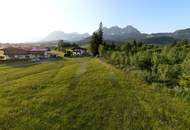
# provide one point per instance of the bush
(102, 51)
(143, 60)
(185, 78)
(159, 64)
(169, 74)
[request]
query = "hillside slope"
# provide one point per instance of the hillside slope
(84, 94)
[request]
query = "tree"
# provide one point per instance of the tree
(112, 46)
(174, 43)
(127, 48)
(184, 42)
(102, 50)
(134, 47)
(60, 45)
(97, 40)
(94, 46)
(100, 33)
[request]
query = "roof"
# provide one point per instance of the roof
(14, 51)
(79, 48)
(21, 51)
(38, 50)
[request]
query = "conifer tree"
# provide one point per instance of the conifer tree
(97, 40)
(100, 33)
(94, 46)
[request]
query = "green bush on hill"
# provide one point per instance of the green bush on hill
(160, 64)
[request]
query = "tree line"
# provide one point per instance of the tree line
(167, 65)
(61, 45)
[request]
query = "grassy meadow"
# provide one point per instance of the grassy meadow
(84, 94)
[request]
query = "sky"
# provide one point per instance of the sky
(32, 20)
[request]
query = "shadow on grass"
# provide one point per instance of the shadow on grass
(19, 64)
(28, 63)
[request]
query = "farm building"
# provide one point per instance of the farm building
(13, 53)
(38, 53)
(78, 51)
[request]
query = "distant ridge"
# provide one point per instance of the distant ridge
(118, 34)
(59, 35)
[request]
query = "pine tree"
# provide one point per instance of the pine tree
(100, 33)
(95, 44)
(97, 40)
(112, 46)
(60, 45)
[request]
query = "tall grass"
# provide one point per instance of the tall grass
(85, 94)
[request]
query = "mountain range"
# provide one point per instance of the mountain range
(119, 34)
(59, 35)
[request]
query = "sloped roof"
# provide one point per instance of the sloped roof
(23, 51)
(34, 49)
(14, 51)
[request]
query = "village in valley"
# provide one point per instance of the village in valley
(12, 52)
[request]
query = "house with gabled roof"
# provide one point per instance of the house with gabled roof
(78, 51)
(14, 53)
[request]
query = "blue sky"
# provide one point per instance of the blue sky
(147, 15)
(25, 20)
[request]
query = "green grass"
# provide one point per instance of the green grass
(84, 94)
(61, 54)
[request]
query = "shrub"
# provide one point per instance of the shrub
(143, 60)
(169, 74)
